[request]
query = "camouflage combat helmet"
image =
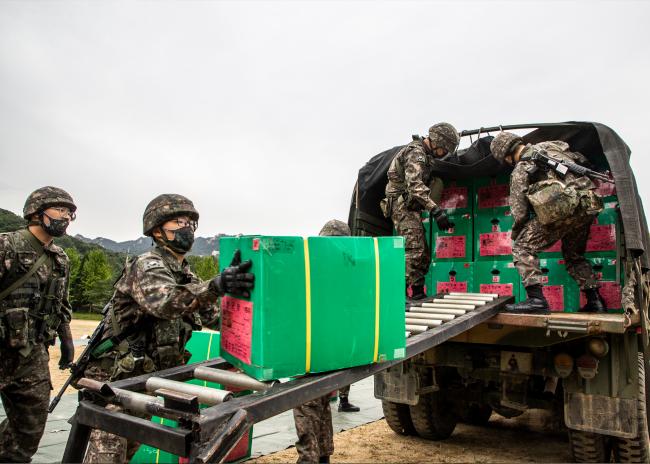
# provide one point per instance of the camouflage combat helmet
(165, 207)
(444, 135)
(335, 228)
(46, 197)
(503, 144)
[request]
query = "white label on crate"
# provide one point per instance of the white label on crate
(398, 243)
(610, 205)
(268, 373)
(399, 353)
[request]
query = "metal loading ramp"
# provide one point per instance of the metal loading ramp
(208, 435)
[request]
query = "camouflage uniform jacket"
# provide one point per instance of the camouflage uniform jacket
(45, 292)
(158, 301)
(409, 175)
(526, 173)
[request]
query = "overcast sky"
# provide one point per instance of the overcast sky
(263, 112)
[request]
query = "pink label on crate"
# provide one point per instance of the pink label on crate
(495, 243)
(452, 246)
(611, 293)
(237, 327)
(602, 238)
(493, 196)
(446, 287)
(499, 289)
(556, 247)
(554, 294)
(454, 197)
(605, 189)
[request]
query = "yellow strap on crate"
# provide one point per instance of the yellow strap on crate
(377, 300)
(307, 308)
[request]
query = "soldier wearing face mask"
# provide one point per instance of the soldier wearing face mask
(157, 303)
(34, 309)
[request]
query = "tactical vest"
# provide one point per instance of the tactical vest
(556, 199)
(31, 313)
(147, 343)
(396, 191)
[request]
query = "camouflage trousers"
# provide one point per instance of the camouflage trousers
(314, 428)
(25, 390)
(408, 224)
(534, 238)
(104, 447)
(344, 391)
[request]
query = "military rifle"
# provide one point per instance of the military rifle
(541, 158)
(94, 349)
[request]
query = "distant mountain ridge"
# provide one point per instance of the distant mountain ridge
(203, 246)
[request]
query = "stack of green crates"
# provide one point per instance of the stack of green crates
(203, 345)
(452, 250)
(319, 304)
(494, 271)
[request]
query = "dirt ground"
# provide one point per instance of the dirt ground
(79, 329)
(533, 437)
(528, 438)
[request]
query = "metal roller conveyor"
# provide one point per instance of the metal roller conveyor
(448, 306)
(487, 299)
(206, 395)
(230, 379)
(456, 312)
(460, 301)
(493, 295)
(416, 329)
(428, 322)
(442, 317)
(430, 311)
(419, 315)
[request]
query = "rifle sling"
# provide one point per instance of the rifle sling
(39, 262)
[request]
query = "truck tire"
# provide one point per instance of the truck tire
(476, 414)
(433, 417)
(588, 447)
(636, 449)
(398, 418)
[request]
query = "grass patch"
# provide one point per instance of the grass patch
(87, 316)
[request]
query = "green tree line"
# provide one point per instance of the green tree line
(93, 274)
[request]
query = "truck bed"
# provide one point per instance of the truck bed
(570, 322)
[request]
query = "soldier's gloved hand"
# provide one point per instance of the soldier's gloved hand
(516, 230)
(441, 218)
(67, 346)
(234, 279)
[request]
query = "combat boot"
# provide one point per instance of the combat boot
(346, 406)
(595, 302)
(417, 292)
(534, 304)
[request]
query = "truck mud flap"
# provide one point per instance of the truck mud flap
(398, 384)
(601, 414)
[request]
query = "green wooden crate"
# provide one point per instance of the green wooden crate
(203, 345)
(492, 236)
(455, 244)
(497, 276)
(449, 276)
(319, 304)
(457, 197)
(491, 195)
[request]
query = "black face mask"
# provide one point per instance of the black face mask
(183, 240)
(56, 227)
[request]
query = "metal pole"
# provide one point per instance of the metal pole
(448, 306)
(460, 301)
(416, 328)
(230, 379)
(206, 395)
(456, 312)
(428, 322)
(455, 294)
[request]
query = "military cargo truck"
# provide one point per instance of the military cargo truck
(591, 369)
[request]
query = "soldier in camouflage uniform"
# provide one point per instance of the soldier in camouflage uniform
(568, 220)
(157, 303)
(34, 308)
(313, 419)
(408, 194)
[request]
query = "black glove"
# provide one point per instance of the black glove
(441, 218)
(234, 279)
(67, 346)
(516, 230)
